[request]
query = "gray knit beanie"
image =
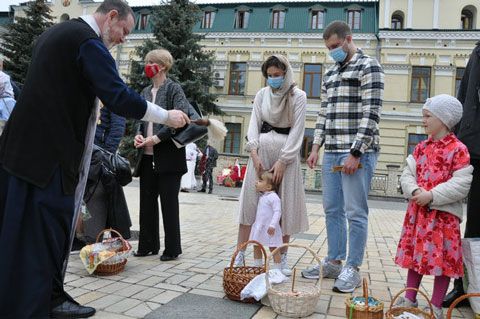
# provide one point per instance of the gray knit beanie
(447, 108)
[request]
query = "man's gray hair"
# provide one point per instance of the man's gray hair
(120, 5)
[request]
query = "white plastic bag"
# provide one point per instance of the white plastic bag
(257, 288)
(471, 260)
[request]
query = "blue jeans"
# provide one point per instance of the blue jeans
(345, 199)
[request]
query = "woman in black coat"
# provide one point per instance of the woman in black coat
(160, 163)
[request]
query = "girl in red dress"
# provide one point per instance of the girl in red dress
(436, 179)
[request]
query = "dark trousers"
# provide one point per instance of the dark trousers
(472, 226)
(207, 176)
(35, 227)
(167, 187)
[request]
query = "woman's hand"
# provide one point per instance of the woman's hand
(149, 141)
(256, 162)
(278, 170)
(138, 140)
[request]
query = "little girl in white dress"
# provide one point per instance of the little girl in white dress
(266, 228)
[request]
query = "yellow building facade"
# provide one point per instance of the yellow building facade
(423, 46)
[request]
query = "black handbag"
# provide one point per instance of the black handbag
(114, 164)
(191, 132)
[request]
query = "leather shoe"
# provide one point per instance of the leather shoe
(140, 253)
(210, 191)
(70, 309)
(167, 257)
(455, 293)
(201, 191)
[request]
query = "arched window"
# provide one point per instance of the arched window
(64, 17)
(468, 18)
(397, 20)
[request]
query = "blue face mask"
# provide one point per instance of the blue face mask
(338, 54)
(275, 83)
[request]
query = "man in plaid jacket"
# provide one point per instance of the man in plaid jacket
(347, 127)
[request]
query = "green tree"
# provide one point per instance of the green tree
(20, 37)
(172, 25)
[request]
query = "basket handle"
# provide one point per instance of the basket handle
(276, 250)
(417, 290)
(111, 230)
(365, 293)
(244, 246)
(456, 301)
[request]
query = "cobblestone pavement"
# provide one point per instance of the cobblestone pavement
(209, 233)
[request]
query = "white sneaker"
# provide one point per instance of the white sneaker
(284, 264)
(437, 312)
(239, 260)
(405, 302)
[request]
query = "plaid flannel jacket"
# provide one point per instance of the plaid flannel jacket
(352, 96)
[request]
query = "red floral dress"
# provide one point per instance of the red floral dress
(430, 242)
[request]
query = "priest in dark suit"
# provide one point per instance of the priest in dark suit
(45, 152)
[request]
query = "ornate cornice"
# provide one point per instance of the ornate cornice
(444, 68)
(220, 63)
(304, 53)
(272, 52)
(430, 34)
(395, 66)
(279, 35)
(254, 63)
(422, 54)
(234, 51)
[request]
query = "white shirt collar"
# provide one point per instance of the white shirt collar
(90, 20)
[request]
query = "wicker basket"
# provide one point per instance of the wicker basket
(236, 278)
(288, 301)
(117, 263)
(465, 296)
(393, 312)
(356, 311)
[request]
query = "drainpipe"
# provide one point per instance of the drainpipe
(378, 49)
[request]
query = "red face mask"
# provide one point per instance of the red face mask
(151, 70)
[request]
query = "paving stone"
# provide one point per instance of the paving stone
(109, 315)
(105, 301)
(149, 283)
(167, 286)
(123, 305)
(139, 311)
(166, 297)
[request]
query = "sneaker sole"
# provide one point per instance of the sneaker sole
(309, 276)
(336, 289)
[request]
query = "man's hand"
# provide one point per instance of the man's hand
(177, 118)
(313, 157)
(138, 140)
(351, 165)
(271, 231)
(278, 170)
(423, 198)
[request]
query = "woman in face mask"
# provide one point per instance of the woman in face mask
(160, 163)
(275, 136)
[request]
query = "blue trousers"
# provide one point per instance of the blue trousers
(35, 224)
(345, 202)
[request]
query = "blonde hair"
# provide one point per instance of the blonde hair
(268, 177)
(160, 56)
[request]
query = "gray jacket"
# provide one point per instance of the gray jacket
(447, 196)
